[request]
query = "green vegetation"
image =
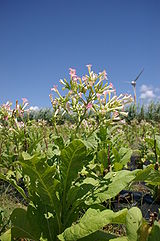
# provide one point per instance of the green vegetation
(68, 166)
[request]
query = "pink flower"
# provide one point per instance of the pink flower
(6, 118)
(54, 88)
(89, 106)
(115, 114)
(105, 75)
(72, 72)
(24, 100)
(80, 94)
(98, 95)
(84, 78)
(105, 92)
(111, 85)
(73, 75)
(75, 78)
(7, 106)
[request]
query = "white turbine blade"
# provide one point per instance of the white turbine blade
(128, 82)
(139, 75)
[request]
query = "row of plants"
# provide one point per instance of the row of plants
(72, 172)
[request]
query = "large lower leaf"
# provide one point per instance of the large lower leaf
(42, 179)
(34, 223)
(92, 221)
(72, 161)
(111, 185)
(42, 182)
(22, 227)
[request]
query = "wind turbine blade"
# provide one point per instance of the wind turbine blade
(139, 75)
(128, 82)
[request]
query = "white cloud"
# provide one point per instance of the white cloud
(34, 108)
(144, 88)
(149, 93)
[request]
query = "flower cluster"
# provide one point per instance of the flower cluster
(91, 92)
(7, 113)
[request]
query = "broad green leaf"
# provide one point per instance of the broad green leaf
(92, 221)
(149, 174)
(42, 185)
(22, 227)
(72, 161)
(42, 180)
(6, 236)
(34, 223)
(155, 232)
(111, 185)
(133, 223)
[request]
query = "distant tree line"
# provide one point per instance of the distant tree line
(150, 112)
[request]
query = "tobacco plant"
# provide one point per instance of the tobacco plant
(58, 194)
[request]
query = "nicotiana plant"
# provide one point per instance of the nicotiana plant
(90, 93)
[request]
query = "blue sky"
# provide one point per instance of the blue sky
(40, 40)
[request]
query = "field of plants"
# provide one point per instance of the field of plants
(87, 170)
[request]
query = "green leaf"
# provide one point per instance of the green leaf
(116, 154)
(133, 223)
(102, 157)
(42, 180)
(155, 232)
(6, 236)
(43, 185)
(98, 236)
(111, 185)
(119, 239)
(92, 221)
(22, 227)
(149, 174)
(14, 184)
(125, 154)
(72, 160)
(34, 223)
(92, 141)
